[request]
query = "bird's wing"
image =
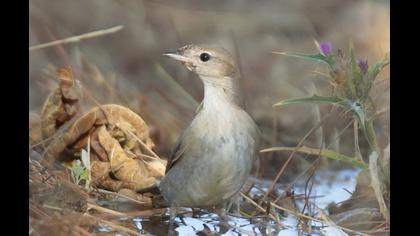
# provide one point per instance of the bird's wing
(182, 144)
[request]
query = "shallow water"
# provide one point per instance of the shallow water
(328, 186)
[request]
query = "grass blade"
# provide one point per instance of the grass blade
(374, 71)
(313, 99)
(312, 57)
(322, 152)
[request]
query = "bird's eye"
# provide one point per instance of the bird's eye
(204, 56)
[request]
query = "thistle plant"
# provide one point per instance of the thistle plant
(351, 80)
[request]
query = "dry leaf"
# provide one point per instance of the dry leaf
(101, 178)
(106, 114)
(61, 105)
(115, 134)
(156, 168)
(124, 168)
(97, 148)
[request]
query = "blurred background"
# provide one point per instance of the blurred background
(127, 67)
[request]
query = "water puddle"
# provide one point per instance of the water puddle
(328, 186)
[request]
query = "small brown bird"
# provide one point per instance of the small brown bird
(213, 157)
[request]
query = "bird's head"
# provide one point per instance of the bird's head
(206, 61)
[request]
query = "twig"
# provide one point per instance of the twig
(257, 205)
(328, 221)
(144, 155)
(142, 160)
(121, 195)
(144, 145)
(103, 209)
(146, 213)
(339, 134)
(77, 38)
(113, 225)
(315, 219)
(270, 189)
(52, 207)
(289, 186)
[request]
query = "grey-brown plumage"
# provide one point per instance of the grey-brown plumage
(213, 157)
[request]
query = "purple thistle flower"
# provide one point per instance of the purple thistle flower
(326, 48)
(363, 66)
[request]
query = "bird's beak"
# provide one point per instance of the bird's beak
(175, 55)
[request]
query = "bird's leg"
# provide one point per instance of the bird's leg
(223, 216)
(235, 204)
(229, 205)
(173, 212)
(234, 201)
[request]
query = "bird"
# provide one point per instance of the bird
(213, 157)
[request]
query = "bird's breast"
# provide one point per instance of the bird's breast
(227, 154)
(216, 165)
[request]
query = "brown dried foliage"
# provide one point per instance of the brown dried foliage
(118, 138)
(61, 105)
(120, 159)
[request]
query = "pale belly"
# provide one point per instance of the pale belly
(213, 171)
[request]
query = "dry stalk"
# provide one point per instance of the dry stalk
(270, 189)
(113, 225)
(298, 214)
(376, 184)
(155, 156)
(260, 207)
(105, 210)
(78, 38)
(147, 213)
(121, 195)
(329, 221)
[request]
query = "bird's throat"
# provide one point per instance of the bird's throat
(221, 92)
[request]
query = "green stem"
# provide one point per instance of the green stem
(370, 135)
